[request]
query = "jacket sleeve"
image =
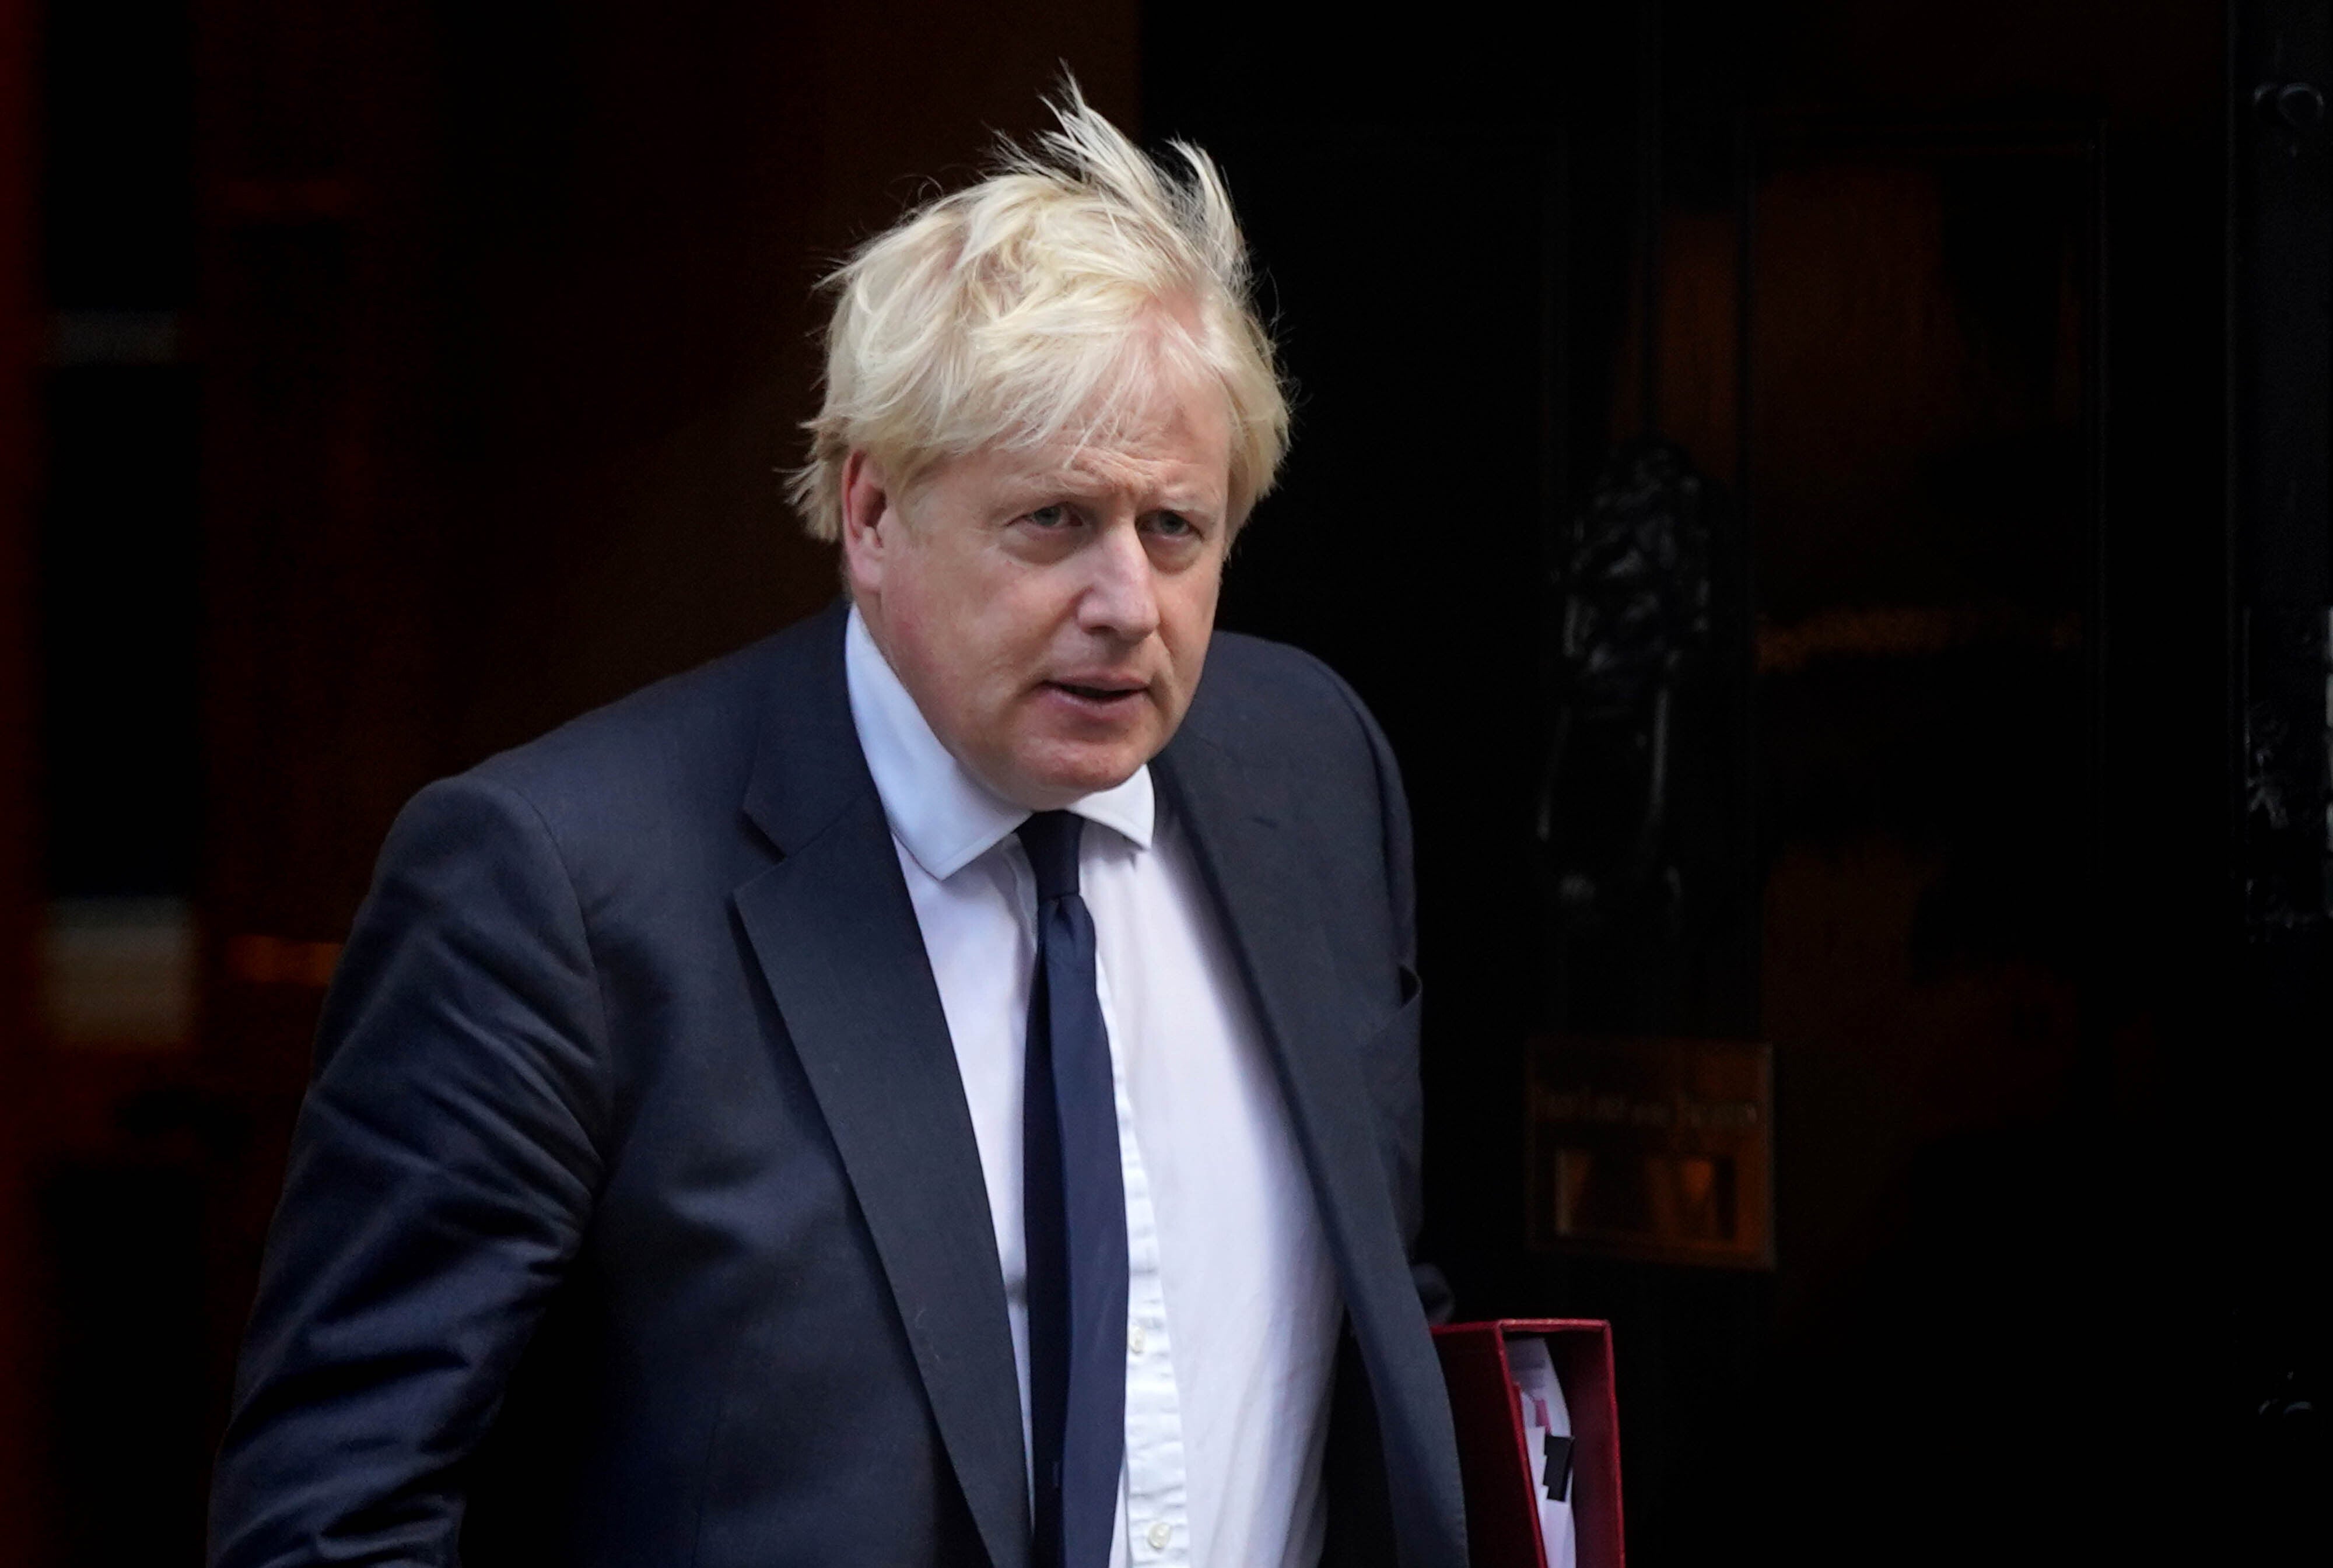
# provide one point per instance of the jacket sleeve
(441, 1172)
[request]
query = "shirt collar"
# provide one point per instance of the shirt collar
(939, 811)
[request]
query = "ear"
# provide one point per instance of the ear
(868, 524)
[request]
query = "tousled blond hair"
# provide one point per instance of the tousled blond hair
(1023, 309)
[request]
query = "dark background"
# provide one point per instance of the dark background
(385, 384)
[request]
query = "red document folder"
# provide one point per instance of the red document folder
(1502, 1494)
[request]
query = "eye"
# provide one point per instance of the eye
(1050, 517)
(1173, 524)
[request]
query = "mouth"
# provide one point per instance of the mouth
(1102, 693)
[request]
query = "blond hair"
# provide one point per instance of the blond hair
(1021, 311)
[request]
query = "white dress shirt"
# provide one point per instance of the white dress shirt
(1232, 1306)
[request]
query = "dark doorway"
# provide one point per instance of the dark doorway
(1933, 303)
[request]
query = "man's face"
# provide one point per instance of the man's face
(1050, 610)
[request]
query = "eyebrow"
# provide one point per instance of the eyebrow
(1069, 483)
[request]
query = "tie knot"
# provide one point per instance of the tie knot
(1050, 837)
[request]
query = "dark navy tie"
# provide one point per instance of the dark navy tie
(1074, 1199)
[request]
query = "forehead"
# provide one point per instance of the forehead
(1162, 436)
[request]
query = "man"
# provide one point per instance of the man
(938, 1087)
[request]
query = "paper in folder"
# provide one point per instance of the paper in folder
(1539, 1440)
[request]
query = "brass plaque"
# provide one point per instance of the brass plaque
(1659, 1150)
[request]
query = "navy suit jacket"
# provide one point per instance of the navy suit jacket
(634, 1216)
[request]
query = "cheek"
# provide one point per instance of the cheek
(988, 643)
(936, 643)
(939, 604)
(1188, 619)
(1025, 618)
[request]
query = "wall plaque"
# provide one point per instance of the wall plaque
(1660, 1149)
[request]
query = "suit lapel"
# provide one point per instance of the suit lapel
(1240, 826)
(836, 936)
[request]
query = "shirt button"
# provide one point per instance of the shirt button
(1135, 1340)
(1160, 1533)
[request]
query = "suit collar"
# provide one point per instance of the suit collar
(835, 936)
(807, 769)
(1241, 821)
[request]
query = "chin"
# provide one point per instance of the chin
(1089, 781)
(1065, 778)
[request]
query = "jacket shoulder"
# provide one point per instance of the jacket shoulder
(681, 749)
(1267, 701)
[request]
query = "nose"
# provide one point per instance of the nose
(1121, 597)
